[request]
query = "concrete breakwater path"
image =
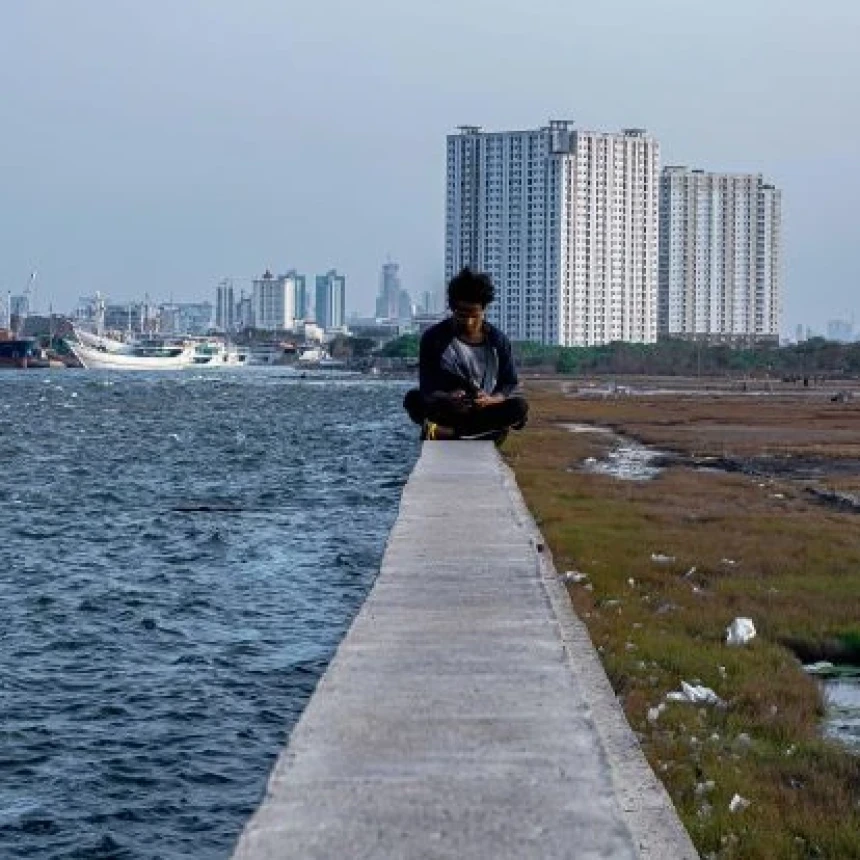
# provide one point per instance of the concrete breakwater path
(465, 714)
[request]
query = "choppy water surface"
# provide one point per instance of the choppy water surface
(179, 557)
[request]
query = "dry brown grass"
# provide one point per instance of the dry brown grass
(796, 572)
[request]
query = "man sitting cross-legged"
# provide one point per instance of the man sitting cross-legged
(468, 386)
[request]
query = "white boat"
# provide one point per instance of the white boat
(211, 354)
(143, 356)
(102, 343)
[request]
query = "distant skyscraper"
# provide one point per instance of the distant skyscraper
(330, 300)
(225, 307)
(245, 312)
(428, 302)
(300, 289)
(719, 255)
(565, 222)
(388, 300)
(274, 302)
(405, 308)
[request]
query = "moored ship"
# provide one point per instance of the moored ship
(22, 353)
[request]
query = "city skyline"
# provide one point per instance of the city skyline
(138, 160)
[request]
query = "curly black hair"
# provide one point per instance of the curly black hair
(476, 288)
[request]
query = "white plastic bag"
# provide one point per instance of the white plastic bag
(740, 631)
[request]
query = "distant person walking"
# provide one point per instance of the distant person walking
(468, 386)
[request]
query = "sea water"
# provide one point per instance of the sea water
(180, 554)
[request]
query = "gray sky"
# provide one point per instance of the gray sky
(159, 145)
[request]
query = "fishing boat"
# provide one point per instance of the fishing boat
(102, 343)
(22, 353)
(214, 353)
(142, 355)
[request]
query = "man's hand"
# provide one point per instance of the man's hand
(483, 399)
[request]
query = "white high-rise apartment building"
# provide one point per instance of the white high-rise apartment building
(565, 222)
(273, 302)
(719, 256)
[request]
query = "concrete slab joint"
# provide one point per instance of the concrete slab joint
(466, 713)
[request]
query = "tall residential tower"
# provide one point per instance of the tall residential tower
(330, 300)
(565, 222)
(719, 256)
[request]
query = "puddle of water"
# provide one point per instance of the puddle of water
(589, 428)
(841, 686)
(627, 461)
(843, 710)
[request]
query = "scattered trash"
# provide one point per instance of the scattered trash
(659, 558)
(631, 582)
(728, 561)
(738, 804)
(695, 694)
(575, 577)
(777, 495)
(654, 713)
(740, 631)
(690, 572)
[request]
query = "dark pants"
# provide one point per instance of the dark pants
(488, 421)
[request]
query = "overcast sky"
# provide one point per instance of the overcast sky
(160, 145)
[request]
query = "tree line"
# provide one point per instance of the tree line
(814, 357)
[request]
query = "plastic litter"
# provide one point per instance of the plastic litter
(575, 576)
(654, 713)
(659, 558)
(695, 694)
(738, 804)
(740, 631)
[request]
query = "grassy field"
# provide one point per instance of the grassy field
(672, 561)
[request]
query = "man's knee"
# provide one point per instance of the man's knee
(414, 405)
